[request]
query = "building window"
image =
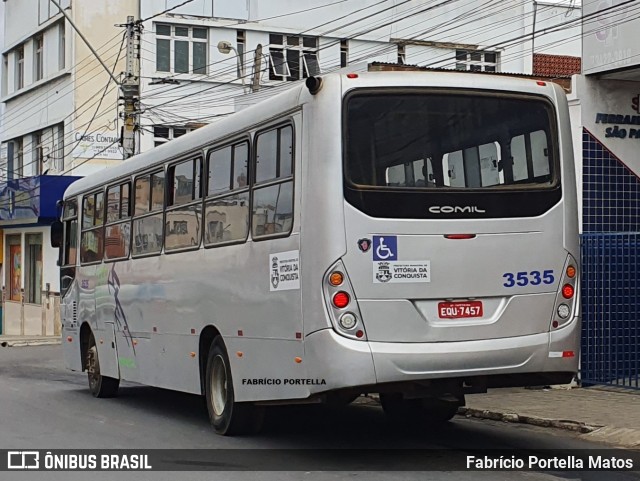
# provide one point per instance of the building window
(33, 266)
(402, 54)
(19, 59)
(292, 57)
(241, 44)
(37, 149)
(181, 49)
(58, 148)
(477, 60)
(5, 73)
(62, 46)
(15, 267)
(16, 162)
(163, 133)
(38, 58)
(344, 53)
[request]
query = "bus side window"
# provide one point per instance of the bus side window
(117, 231)
(226, 218)
(147, 225)
(182, 222)
(92, 239)
(272, 212)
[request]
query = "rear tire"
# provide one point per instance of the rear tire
(228, 417)
(431, 411)
(99, 385)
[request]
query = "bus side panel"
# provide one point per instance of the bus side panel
(71, 329)
(268, 369)
(91, 280)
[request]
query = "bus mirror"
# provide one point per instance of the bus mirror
(314, 84)
(56, 234)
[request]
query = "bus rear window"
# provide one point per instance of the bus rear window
(443, 140)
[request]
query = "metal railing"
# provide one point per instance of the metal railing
(611, 309)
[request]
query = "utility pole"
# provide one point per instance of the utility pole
(257, 69)
(131, 91)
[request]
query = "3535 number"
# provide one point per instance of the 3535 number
(522, 279)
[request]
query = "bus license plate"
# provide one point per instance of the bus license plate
(455, 310)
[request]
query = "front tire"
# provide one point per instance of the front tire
(227, 416)
(99, 385)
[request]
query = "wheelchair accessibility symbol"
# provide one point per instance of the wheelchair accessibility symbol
(385, 248)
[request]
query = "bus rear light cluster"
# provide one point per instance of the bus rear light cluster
(341, 304)
(566, 299)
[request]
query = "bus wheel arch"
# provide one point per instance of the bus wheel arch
(208, 334)
(85, 337)
(227, 416)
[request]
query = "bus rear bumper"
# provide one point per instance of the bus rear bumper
(350, 363)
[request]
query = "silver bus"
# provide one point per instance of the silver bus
(407, 234)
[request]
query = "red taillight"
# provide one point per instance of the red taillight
(568, 354)
(459, 236)
(352, 75)
(541, 83)
(341, 299)
(567, 291)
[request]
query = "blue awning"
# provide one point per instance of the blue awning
(32, 200)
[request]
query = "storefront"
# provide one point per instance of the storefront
(30, 283)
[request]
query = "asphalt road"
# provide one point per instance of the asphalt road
(43, 406)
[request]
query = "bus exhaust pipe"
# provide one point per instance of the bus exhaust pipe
(314, 84)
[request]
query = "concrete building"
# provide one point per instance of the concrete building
(608, 102)
(62, 115)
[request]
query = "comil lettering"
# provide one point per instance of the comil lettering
(450, 209)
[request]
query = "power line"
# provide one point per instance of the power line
(163, 12)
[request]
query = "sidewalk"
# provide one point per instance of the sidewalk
(609, 416)
(21, 341)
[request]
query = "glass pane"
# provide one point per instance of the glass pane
(489, 164)
(113, 203)
(266, 151)
(163, 30)
(143, 194)
(15, 267)
(312, 67)
(455, 169)
(88, 212)
(182, 228)
(489, 68)
(117, 240)
(163, 55)
(519, 156)
(178, 132)
(278, 65)
(388, 129)
(199, 33)
(124, 208)
(240, 165)
(157, 193)
(70, 242)
(197, 186)
(476, 56)
(181, 61)
(70, 209)
(293, 60)
(227, 219)
(199, 57)
(219, 171)
(539, 153)
(272, 209)
(147, 235)
(182, 31)
(293, 40)
(275, 39)
(286, 151)
(475, 68)
(490, 57)
(159, 131)
(91, 246)
(99, 209)
(182, 183)
(310, 42)
(461, 55)
(33, 266)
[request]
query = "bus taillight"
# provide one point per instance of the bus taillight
(341, 300)
(567, 291)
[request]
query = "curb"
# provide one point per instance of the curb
(510, 417)
(30, 342)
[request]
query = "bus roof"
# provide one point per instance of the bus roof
(292, 98)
